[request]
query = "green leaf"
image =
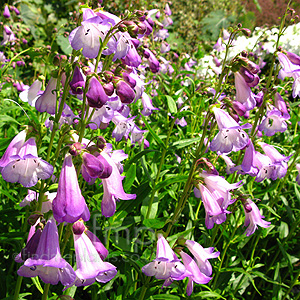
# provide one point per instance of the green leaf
(37, 284)
(64, 44)
(173, 179)
(283, 230)
(130, 177)
(171, 105)
(208, 294)
(157, 223)
(155, 136)
(7, 119)
(184, 143)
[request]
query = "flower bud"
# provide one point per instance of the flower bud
(108, 88)
(239, 108)
(30, 249)
(96, 95)
(77, 83)
(6, 13)
(131, 81)
(125, 92)
(75, 149)
(295, 59)
(78, 227)
(246, 31)
(96, 166)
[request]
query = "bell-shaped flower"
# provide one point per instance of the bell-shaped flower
(152, 61)
(90, 266)
(26, 167)
(273, 122)
(253, 217)
(13, 148)
(202, 255)
(30, 95)
(77, 83)
(147, 105)
(113, 189)
(47, 262)
(220, 188)
(280, 104)
(244, 94)
(8, 36)
(266, 169)
(166, 265)
(102, 251)
(196, 275)
(231, 136)
(96, 95)
(132, 58)
(47, 101)
(87, 37)
(101, 116)
(125, 92)
(211, 206)
(69, 204)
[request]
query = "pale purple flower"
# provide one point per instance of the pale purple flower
(101, 116)
(253, 217)
(47, 101)
(90, 266)
(266, 169)
(102, 251)
(244, 94)
(147, 105)
(202, 255)
(166, 265)
(33, 196)
(8, 36)
(26, 167)
(231, 136)
(31, 94)
(87, 37)
(195, 274)
(152, 61)
(69, 204)
(280, 104)
(248, 166)
(168, 11)
(132, 58)
(273, 122)
(113, 189)
(229, 163)
(219, 46)
(47, 262)
(13, 148)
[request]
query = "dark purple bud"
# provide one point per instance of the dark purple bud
(146, 53)
(295, 59)
(20, 63)
(239, 108)
(96, 95)
(153, 62)
(247, 75)
(8, 31)
(109, 88)
(6, 13)
(16, 10)
(101, 142)
(30, 249)
(32, 219)
(259, 98)
(125, 92)
(96, 166)
(246, 31)
(217, 62)
(75, 149)
(246, 205)
(132, 28)
(150, 21)
(77, 83)
(149, 28)
(24, 41)
(78, 227)
(142, 27)
(131, 81)
(135, 42)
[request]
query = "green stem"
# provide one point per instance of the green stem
(292, 285)
(46, 291)
(18, 288)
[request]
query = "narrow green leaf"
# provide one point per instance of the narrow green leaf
(157, 223)
(130, 177)
(173, 179)
(171, 105)
(155, 136)
(37, 284)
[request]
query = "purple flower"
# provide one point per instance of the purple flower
(30, 95)
(166, 265)
(69, 204)
(244, 94)
(101, 116)
(96, 167)
(167, 10)
(8, 36)
(280, 104)
(132, 58)
(96, 95)
(102, 251)
(196, 275)
(213, 211)
(90, 266)
(6, 13)
(47, 101)
(26, 167)
(253, 217)
(147, 105)
(231, 137)
(13, 148)
(77, 83)
(47, 262)
(273, 122)
(87, 37)
(152, 61)
(125, 92)
(113, 189)
(202, 255)
(290, 69)
(298, 175)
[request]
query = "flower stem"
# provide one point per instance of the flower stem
(46, 290)
(18, 287)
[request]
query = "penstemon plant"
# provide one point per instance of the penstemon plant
(119, 141)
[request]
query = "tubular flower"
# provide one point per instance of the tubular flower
(253, 217)
(26, 167)
(69, 204)
(166, 265)
(47, 262)
(231, 136)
